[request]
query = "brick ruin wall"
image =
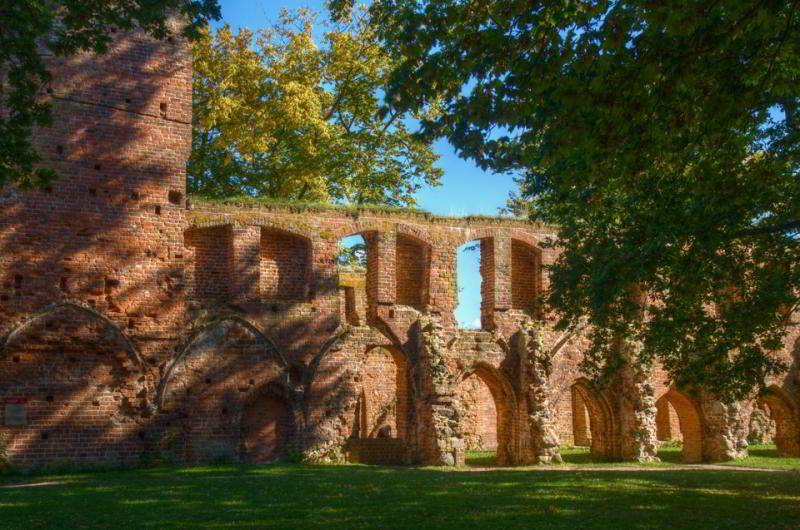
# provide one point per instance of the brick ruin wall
(135, 327)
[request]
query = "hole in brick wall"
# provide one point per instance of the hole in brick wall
(274, 308)
(45, 435)
(468, 284)
(4, 298)
(354, 278)
(158, 210)
(93, 192)
(111, 283)
(224, 411)
(97, 167)
(17, 281)
(208, 381)
(141, 435)
(62, 284)
(60, 149)
(135, 195)
(175, 197)
(15, 358)
(163, 107)
(49, 399)
(48, 189)
(128, 100)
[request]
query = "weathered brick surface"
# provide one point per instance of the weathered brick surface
(134, 326)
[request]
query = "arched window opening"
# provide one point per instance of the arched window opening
(475, 284)
(352, 265)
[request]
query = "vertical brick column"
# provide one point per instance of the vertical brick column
(381, 268)
(246, 267)
(723, 437)
(502, 272)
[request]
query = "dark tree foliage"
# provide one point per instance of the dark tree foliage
(661, 137)
(30, 28)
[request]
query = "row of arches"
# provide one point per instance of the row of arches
(277, 264)
(81, 394)
(679, 419)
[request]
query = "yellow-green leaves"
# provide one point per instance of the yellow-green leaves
(279, 114)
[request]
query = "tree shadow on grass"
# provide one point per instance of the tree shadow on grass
(368, 497)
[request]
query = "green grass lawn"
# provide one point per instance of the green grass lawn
(301, 496)
(760, 456)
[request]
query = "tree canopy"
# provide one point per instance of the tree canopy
(278, 115)
(663, 140)
(64, 27)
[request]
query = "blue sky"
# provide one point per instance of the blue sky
(465, 188)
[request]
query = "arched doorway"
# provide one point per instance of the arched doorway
(592, 419)
(678, 419)
(784, 414)
(266, 428)
(380, 425)
(488, 408)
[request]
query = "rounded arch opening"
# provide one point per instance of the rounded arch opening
(383, 406)
(592, 419)
(488, 408)
(784, 414)
(678, 421)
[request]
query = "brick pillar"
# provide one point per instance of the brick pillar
(536, 369)
(723, 433)
(442, 288)
(246, 262)
(501, 275)
(636, 408)
(440, 439)
(381, 268)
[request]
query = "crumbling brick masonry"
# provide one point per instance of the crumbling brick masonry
(137, 327)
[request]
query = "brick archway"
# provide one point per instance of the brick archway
(600, 432)
(787, 422)
(384, 400)
(505, 407)
(688, 420)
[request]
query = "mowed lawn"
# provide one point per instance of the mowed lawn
(303, 496)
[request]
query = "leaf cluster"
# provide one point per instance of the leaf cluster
(661, 137)
(277, 114)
